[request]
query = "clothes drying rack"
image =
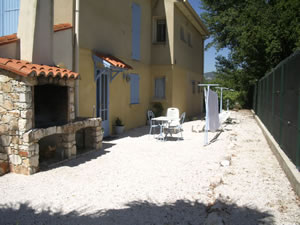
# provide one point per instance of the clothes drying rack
(206, 94)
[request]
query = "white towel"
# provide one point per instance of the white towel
(213, 111)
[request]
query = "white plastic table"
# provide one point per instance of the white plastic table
(161, 120)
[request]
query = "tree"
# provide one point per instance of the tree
(259, 34)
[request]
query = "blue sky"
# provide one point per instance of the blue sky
(211, 53)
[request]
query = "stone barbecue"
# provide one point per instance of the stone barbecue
(38, 121)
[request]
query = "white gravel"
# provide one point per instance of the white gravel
(139, 180)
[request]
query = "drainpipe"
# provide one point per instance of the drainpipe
(76, 58)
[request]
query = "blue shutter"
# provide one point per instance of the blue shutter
(10, 16)
(134, 89)
(136, 30)
(138, 89)
(1, 18)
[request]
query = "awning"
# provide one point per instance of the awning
(110, 64)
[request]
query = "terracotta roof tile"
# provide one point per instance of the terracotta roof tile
(24, 68)
(62, 26)
(113, 60)
(13, 37)
(8, 39)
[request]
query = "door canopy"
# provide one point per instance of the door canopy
(108, 64)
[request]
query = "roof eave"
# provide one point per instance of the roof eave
(187, 10)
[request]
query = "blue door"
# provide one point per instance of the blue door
(103, 100)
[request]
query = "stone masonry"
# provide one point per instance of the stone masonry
(19, 148)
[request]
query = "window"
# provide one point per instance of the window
(193, 87)
(9, 16)
(189, 36)
(161, 29)
(182, 34)
(199, 88)
(134, 89)
(136, 31)
(160, 88)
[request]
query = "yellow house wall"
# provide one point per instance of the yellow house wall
(183, 96)
(189, 57)
(186, 61)
(161, 52)
(179, 92)
(87, 85)
(159, 71)
(132, 115)
(106, 26)
(189, 66)
(107, 29)
(110, 32)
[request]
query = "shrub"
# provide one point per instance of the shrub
(119, 122)
(157, 109)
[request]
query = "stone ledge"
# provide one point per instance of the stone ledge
(35, 135)
(288, 167)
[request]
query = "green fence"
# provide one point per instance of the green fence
(277, 103)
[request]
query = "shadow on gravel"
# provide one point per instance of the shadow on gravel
(138, 132)
(133, 133)
(138, 213)
(81, 158)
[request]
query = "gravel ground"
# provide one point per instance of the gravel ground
(137, 180)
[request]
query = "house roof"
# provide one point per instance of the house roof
(62, 26)
(13, 37)
(8, 39)
(187, 10)
(113, 60)
(25, 69)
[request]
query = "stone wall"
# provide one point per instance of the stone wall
(95, 135)
(19, 149)
(16, 119)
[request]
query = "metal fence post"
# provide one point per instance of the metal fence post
(258, 98)
(254, 98)
(267, 102)
(298, 139)
(273, 100)
(264, 101)
(281, 102)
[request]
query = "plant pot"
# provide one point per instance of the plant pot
(119, 129)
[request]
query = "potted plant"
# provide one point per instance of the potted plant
(119, 126)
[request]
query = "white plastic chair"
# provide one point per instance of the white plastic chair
(175, 127)
(151, 115)
(173, 114)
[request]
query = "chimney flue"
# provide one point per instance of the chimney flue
(36, 31)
